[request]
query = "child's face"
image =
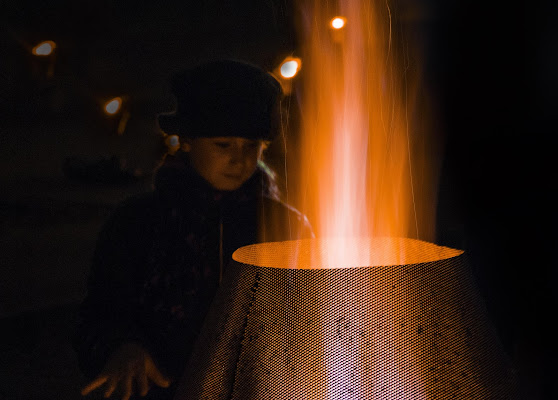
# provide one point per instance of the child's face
(225, 162)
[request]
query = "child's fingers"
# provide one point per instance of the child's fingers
(143, 384)
(158, 378)
(112, 386)
(101, 379)
(127, 387)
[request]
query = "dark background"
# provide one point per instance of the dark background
(490, 65)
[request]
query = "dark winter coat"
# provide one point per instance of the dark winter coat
(160, 257)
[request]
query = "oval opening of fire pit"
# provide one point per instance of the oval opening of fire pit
(329, 253)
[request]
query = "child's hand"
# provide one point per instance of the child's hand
(129, 363)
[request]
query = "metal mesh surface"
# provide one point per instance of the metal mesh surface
(405, 331)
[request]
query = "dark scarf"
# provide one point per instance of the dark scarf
(184, 261)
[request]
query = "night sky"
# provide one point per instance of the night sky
(492, 68)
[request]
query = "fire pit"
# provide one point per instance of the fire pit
(404, 322)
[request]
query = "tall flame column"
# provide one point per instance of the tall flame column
(405, 323)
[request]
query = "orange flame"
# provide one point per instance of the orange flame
(361, 165)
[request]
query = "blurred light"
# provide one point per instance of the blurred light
(44, 48)
(290, 68)
(173, 143)
(123, 122)
(338, 22)
(285, 71)
(113, 106)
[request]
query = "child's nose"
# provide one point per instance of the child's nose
(237, 153)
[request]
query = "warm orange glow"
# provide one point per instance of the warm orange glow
(314, 253)
(44, 48)
(363, 172)
(290, 67)
(338, 22)
(113, 106)
(384, 302)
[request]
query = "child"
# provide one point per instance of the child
(160, 257)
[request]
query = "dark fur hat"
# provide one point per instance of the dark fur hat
(224, 98)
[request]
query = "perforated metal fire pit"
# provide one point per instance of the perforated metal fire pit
(406, 324)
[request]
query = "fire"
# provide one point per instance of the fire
(361, 165)
(313, 253)
(366, 183)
